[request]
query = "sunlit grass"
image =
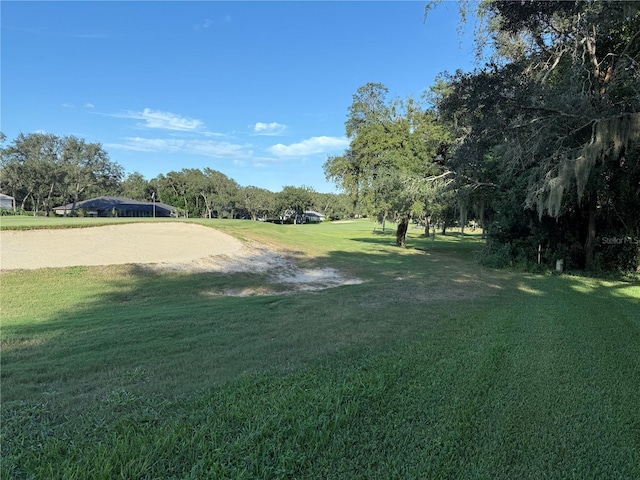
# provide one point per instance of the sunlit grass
(25, 222)
(434, 367)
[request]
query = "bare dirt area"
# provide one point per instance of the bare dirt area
(137, 243)
(160, 247)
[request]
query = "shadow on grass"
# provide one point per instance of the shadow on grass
(387, 232)
(180, 338)
(479, 358)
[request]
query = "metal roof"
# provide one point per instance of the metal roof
(107, 203)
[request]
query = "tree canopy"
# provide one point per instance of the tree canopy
(541, 144)
(393, 144)
(553, 120)
(39, 168)
(42, 171)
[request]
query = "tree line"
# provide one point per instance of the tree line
(541, 144)
(42, 171)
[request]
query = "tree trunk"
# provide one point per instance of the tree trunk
(480, 208)
(355, 201)
(24, 201)
(589, 246)
(206, 205)
(76, 196)
(401, 232)
(48, 204)
(427, 226)
(462, 205)
(36, 205)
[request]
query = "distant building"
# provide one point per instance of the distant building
(313, 217)
(7, 202)
(117, 207)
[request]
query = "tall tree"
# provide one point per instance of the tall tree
(345, 171)
(86, 166)
(392, 144)
(257, 201)
(293, 201)
(218, 192)
(40, 168)
(31, 170)
(334, 206)
(175, 188)
(555, 114)
(135, 186)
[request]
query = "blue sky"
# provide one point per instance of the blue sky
(256, 90)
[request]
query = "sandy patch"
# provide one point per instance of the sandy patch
(284, 276)
(162, 247)
(138, 243)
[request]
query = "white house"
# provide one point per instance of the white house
(313, 217)
(7, 201)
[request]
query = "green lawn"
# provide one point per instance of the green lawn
(434, 367)
(26, 222)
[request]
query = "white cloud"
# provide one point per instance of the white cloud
(212, 134)
(68, 105)
(94, 36)
(207, 148)
(208, 22)
(89, 105)
(217, 149)
(227, 18)
(273, 128)
(164, 120)
(310, 146)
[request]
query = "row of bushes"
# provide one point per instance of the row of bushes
(623, 255)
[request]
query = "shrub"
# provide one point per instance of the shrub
(496, 255)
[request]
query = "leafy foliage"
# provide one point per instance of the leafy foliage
(40, 169)
(555, 116)
(292, 201)
(394, 148)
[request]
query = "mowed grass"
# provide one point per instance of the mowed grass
(434, 367)
(28, 222)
